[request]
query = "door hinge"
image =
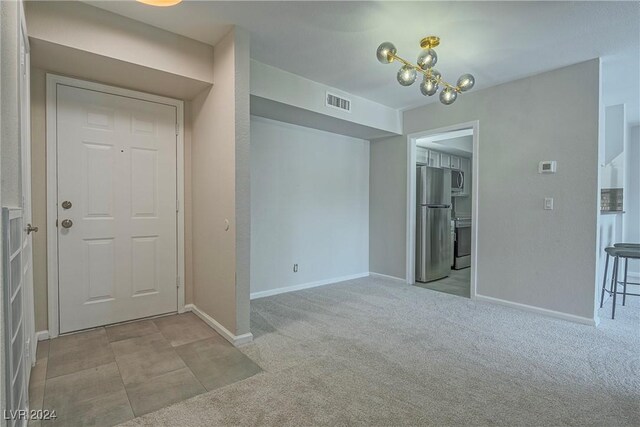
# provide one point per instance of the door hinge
(177, 205)
(177, 128)
(178, 282)
(56, 223)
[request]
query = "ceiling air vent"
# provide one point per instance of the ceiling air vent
(334, 101)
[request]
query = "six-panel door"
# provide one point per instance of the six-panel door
(117, 243)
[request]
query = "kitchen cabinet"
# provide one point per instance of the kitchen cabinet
(421, 155)
(437, 159)
(454, 162)
(433, 158)
(445, 160)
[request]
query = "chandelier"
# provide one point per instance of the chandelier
(432, 79)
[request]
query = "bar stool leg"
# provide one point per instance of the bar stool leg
(624, 291)
(604, 281)
(614, 286)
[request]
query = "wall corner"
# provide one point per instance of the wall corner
(242, 179)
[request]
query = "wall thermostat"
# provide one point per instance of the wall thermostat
(547, 166)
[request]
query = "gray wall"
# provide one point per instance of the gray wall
(290, 89)
(632, 195)
(220, 188)
(309, 206)
(388, 206)
(612, 169)
(615, 123)
(242, 179)
(526, 255)
(10, 147)
(2, 338)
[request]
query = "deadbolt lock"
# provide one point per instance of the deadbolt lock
(66, 204)
(67, 223)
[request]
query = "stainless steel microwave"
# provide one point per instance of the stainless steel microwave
(457, 181)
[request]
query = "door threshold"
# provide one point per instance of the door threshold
(124, 322)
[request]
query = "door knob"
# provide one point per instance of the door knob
(31, 229)
(67, 223)
(66, 204)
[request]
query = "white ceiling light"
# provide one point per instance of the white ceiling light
(432, 79)
(160, 3)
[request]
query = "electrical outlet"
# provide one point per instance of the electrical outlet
(295, 268)
(548, 203)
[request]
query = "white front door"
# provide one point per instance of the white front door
(117, 221)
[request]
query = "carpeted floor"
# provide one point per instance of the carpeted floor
(376, 352)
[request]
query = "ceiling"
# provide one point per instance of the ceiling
(456, 145)
(335, 42)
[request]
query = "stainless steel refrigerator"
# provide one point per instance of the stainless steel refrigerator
(433, 224)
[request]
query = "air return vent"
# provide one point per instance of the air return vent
(335, 101)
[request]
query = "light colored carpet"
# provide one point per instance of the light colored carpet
(376, 352)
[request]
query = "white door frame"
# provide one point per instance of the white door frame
(52, 184)
(411, 199)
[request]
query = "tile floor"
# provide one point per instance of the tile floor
(458, 283)
(109, 375)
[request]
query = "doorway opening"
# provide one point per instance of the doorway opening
(442, 209)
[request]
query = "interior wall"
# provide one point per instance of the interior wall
(612, 171)
(242, 76)
(527, 255)
(632, 196)
(88, 28)
(612, 175)
(272, 83)
(388, 206)
(10, 146)
(309, 206)
(219, 150)
(3, 380)
(615, 128)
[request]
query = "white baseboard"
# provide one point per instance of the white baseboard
(42, 335)
(236, 340)
(539, 310)
(271, 292)
(384, 276)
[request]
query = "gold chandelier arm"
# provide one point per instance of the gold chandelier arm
(404, 61)
(439, 79)
(450, 86)
(425, 72)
